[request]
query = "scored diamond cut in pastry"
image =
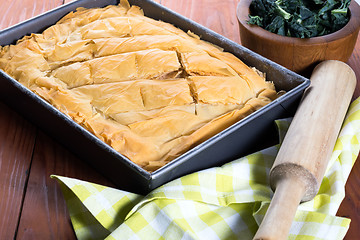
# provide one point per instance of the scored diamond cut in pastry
(145, 87)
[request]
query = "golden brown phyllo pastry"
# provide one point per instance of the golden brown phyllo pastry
(146, 88)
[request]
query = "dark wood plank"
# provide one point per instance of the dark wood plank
(354, 64)
(43, 200)
(216, 15)
(17, 138)
(350, 207)
(15, 11)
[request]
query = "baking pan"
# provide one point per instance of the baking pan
(249, 134)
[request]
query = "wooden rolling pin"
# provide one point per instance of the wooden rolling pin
(307, 147)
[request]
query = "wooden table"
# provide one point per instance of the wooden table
(31, 204)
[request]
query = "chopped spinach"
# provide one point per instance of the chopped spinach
(300, 18)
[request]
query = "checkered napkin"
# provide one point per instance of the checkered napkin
(227, 202)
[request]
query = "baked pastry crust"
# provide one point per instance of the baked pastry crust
(145, 87)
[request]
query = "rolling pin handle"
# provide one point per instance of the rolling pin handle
(282, 209)
(307, 147)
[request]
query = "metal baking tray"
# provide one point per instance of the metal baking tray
(249, 134)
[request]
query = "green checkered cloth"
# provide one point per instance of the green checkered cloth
(227, 202)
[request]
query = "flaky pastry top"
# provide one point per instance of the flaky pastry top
(144, 87)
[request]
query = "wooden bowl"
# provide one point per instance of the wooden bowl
(297, 54)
